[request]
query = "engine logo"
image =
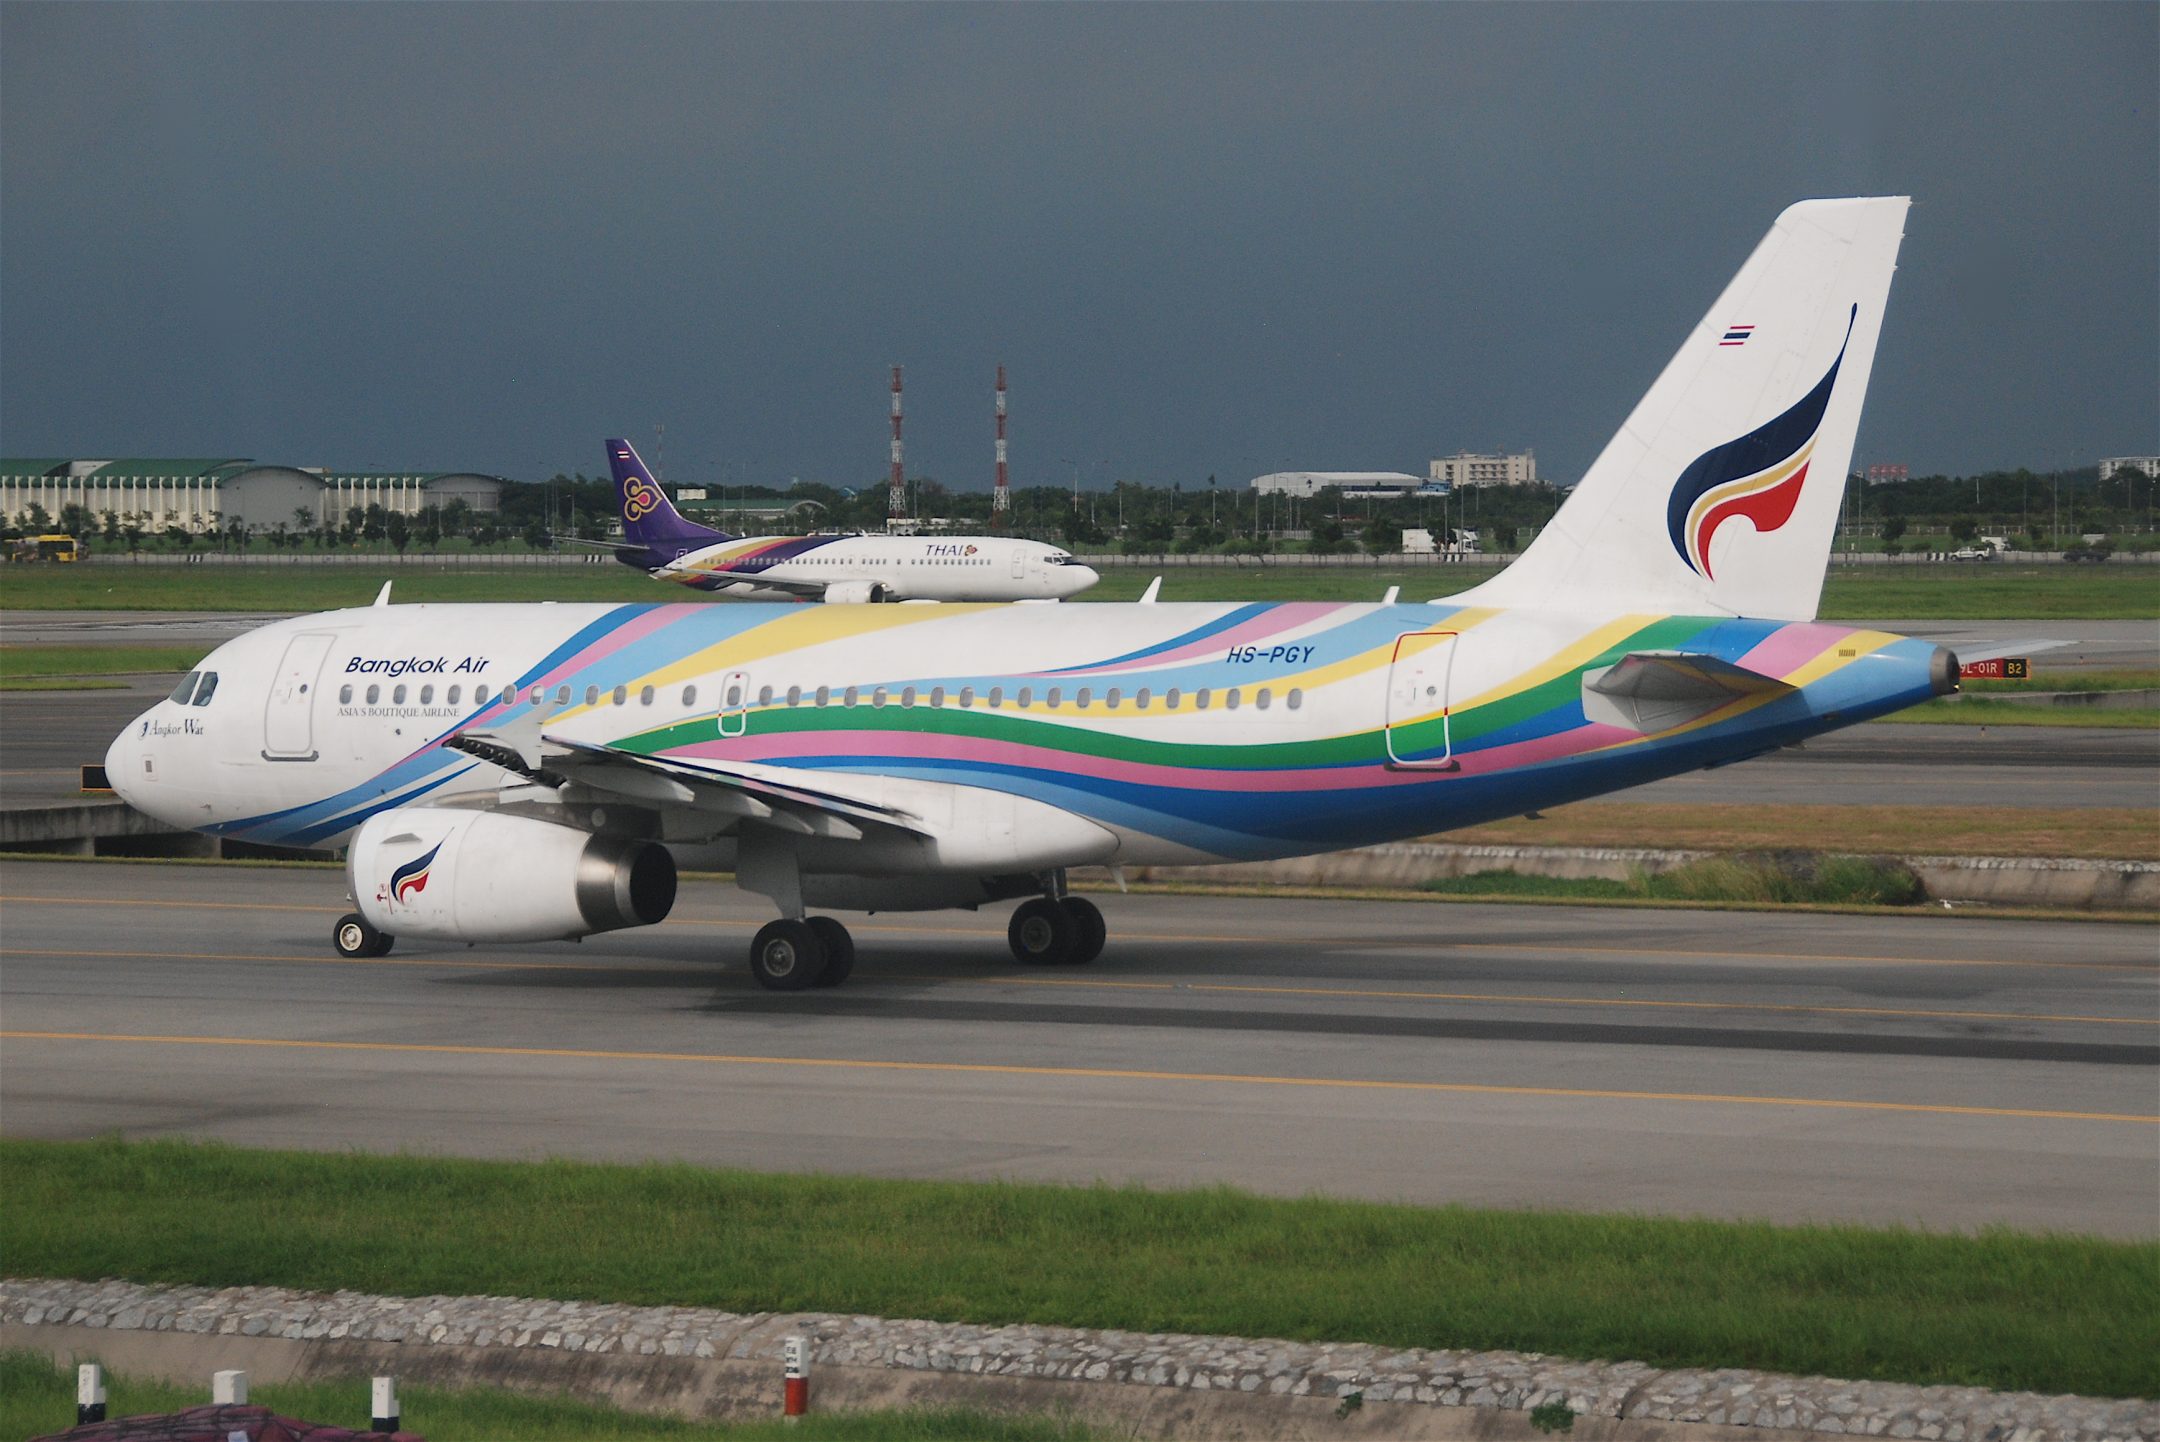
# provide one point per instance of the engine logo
(413, 875)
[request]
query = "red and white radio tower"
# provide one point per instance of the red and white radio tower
(1001, 495)
(896, 493)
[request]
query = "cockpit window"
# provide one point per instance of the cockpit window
(186, 688)
(1058, 558)
(207, 689)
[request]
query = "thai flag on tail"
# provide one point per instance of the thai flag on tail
(1737, 334)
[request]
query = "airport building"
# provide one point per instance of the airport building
(1465, 469)
(210, 494)
(1355, 484)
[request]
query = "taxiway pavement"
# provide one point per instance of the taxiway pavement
(1939, 1071)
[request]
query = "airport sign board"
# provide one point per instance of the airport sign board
(1997, 668)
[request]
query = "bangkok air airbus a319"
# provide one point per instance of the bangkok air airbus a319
(518, 773)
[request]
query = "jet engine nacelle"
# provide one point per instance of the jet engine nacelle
(857, 593)
(453, 875)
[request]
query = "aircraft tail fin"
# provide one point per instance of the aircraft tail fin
(649, 519)
(1752, 421)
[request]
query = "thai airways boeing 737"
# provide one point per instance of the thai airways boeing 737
(517, 773)
(658, 541)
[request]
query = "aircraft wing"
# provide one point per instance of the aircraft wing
(810, 590)
(1650, 691)
(772, 795)
(555, 540)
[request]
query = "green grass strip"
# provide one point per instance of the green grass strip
(2000, 1309)
(2117, 590)
(59, 683)
(20, 661)
(37, 1397)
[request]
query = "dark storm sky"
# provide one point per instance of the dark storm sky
(1203, 238)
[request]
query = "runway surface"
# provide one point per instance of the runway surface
(1938, 1071)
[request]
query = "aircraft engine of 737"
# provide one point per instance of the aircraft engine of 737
(527, 773)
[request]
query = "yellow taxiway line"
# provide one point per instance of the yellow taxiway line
(1089, 1073)
(1343, 993)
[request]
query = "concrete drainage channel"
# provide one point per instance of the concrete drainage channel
(694, 1362)
(112, 828)
(1993, 880)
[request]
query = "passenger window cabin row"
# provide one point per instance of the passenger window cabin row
(1081, 698)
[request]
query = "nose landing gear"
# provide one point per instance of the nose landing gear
(355, 939)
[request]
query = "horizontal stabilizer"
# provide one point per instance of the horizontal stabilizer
(1653, 691)
(1972, 652)
(556, 538)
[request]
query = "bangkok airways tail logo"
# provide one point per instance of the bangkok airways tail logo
(412, 877)
(1757, 477)
(639, 498)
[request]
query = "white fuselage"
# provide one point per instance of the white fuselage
(903, 568)
(1190, 732)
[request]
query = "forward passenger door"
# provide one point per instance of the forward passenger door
(289, 715)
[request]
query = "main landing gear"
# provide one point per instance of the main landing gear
(354, 938)
(791, 955)
(797, 954)
(1057, 931)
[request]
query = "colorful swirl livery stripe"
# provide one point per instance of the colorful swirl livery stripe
(736, 562)
(1757, 478)
(1232, 783)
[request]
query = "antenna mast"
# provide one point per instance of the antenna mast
(1001, 494)
(896, 490)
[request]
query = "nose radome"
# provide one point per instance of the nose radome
(123, 763)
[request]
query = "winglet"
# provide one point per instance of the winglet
(382, 597)
(1394, 594)
(1154, 589)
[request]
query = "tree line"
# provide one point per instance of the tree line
(2037, 510)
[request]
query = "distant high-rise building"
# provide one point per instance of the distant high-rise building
(2146, 465)
(1467, 469)
(1888, 473)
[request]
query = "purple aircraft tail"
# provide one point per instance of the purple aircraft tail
(648, 519)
